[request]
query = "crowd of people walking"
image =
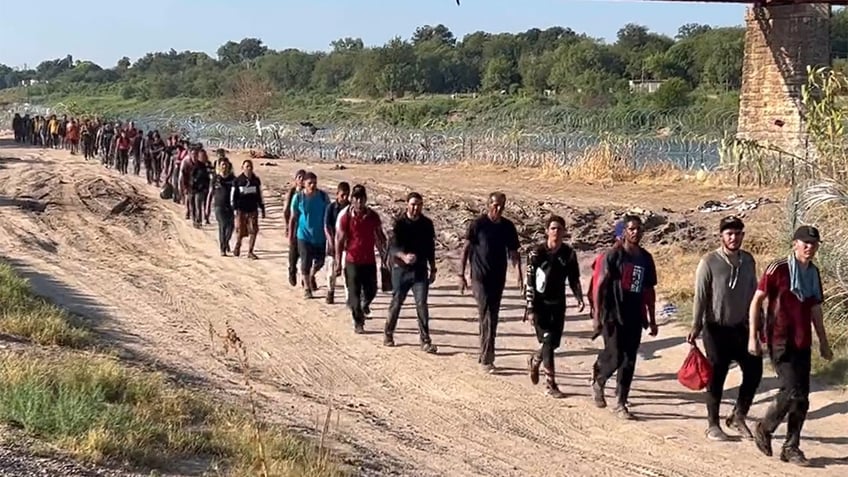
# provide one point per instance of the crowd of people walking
(345, 235)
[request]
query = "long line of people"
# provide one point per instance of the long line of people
(344, 232)
(728, 310)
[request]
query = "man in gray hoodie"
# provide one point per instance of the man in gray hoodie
(725, 283)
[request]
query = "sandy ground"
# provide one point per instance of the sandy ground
(108, 248)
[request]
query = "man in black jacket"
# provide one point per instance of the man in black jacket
(413, 250)
(549, 266)
(247, 202)
(625, 304)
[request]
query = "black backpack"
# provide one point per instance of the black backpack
(200, 177)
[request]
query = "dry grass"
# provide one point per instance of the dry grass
(611, 163)
(100, 409)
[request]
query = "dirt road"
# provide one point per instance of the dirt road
(108, 247)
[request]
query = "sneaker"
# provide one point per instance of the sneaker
(252, 256)
(714, 433)
(622, 412)
(763, 440)
(314, 284)
(552, 390)
(236, 252)
(793, 455)
(737, 422)
(389, 341)
(293, 279)
(598, 395)
(533, 369)
(366, 310)
(223, 253)
(429, 348)
(330, 298)
(488, 368)
(359, 329)
(307, 293)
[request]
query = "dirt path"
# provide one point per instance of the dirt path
(114, 251)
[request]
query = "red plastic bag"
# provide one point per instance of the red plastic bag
(696, 371)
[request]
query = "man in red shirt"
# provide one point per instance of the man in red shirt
(359, 232)
(794, 291)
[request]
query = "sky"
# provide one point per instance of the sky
(103, 34)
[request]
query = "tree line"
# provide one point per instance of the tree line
(700, 63)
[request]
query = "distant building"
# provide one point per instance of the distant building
(30, 82)
(645, 86)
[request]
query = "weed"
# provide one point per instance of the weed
(26, 315)
(273, 455)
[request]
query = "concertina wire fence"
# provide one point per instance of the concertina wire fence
(684, 139)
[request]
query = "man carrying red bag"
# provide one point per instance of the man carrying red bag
(725, 283)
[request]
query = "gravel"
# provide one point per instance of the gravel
(17, 461)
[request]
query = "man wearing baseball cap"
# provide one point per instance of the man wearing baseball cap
(725, 283)
(794, 291)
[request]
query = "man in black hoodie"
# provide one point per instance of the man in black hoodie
(248, 203)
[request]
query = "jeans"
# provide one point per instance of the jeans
(226, 219)
(404, 280)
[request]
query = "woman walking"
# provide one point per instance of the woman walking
(219, 199)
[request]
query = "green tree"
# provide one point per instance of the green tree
(672, 94)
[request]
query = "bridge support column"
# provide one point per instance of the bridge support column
(780, 41)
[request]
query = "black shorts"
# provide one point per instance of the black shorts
(312, 256)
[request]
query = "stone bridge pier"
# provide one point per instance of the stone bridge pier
(780, 41)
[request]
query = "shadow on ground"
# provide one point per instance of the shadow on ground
(98, 319)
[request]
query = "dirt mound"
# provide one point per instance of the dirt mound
(587, 229)
(32, 191)
(112, 200)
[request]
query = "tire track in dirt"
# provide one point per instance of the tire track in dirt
(435, 412)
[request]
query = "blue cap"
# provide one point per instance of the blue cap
(619, 229)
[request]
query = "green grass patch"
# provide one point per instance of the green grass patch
(100, 409)
(26, 315)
